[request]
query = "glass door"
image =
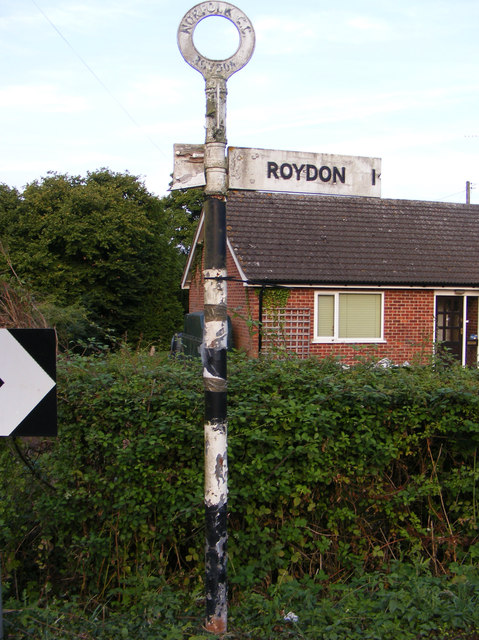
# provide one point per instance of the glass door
(449, 324)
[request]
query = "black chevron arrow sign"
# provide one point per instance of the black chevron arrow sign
(28, 382)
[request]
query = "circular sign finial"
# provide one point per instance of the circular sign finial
(216, 68)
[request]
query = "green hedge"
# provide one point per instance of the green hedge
(332, 470)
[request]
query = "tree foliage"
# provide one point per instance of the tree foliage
(9, 199)
(99, 246)
(183, 209)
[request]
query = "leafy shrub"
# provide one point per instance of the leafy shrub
(333, 471)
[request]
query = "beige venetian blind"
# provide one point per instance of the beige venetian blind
(359, 315)
(325, 316)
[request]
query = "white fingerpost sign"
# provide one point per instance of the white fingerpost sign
(283, 171)
(298, 171)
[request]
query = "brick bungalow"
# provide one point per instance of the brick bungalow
(334, 276)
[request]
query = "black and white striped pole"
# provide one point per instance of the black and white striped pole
(215, 335)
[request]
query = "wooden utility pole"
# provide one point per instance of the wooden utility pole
(215, 335)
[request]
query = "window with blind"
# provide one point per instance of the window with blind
(348, 317)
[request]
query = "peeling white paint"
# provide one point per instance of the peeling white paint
(216, 465)
(215, 289)
(215, 334)
(210, 376)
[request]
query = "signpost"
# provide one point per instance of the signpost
(28, 382)
(301, 172)
(283, 171)
(215, 335)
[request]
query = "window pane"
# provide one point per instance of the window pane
(325, 326)
(359, 315)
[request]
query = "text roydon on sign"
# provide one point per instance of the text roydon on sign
(293, 171)
(286, 171)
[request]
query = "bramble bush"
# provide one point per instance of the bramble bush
(334, 472)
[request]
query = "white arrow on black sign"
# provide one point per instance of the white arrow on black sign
(27, 382)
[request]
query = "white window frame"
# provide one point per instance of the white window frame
(335, 339)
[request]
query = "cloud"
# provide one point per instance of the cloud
(18, 20)
(87, 15)
(372, 27)
(40, 98)
(316, 109)
(421, 175)
(283, 34)
(84, 16)
(156, 90)
(279, 35)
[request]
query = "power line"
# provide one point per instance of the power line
(459, 193)
(452, 195)
(97, 78)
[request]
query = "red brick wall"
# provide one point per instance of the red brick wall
(408, 321)
(243, 310)
(195, 296)
(408, 329)
(242, 306)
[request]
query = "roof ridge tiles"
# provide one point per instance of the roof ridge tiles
(331, 237)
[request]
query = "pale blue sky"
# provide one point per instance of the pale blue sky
(90, 83)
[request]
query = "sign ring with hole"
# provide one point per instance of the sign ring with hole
(216, 68)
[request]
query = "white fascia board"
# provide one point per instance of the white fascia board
(237, 264)
(380, 287)
(185, 284)
(198, 235)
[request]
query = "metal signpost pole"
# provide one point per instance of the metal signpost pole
(215, 335)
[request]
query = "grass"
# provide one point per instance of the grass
(407, 603)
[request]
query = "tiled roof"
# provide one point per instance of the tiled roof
(310, 239)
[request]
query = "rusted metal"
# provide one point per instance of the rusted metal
(188, 166)
(215, 335)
